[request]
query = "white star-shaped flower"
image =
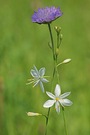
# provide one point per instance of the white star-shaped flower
(57, 99)
(38, 77)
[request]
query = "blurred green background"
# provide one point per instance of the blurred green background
(24, 44)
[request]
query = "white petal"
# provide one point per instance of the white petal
(65, 102)
(57, 107)
(57, 90)
(33, 73)
(50, 95)
(36, 70)
(65, 95)
(49, 103)
(42, 71)
(44, 80)
(41, 86)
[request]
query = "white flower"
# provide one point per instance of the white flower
(38, 77)
(58, 99)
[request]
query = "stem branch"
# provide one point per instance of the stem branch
(53, 49)
(47, 118)
(64, 121)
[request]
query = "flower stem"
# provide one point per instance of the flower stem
(47, 118)
(54, 54)
(64, 121)
(55, 70)
(49, 27)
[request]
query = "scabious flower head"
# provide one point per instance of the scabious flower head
(57, 99)
(46, 15)
(38, 77)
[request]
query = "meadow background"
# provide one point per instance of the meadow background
(24, 44)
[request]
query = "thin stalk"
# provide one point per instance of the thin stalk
(57, 40)
(57, 74)
(55, 71)
(64, 121)
(47, 118)
(53, 49)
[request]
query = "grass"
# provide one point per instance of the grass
(23, 44)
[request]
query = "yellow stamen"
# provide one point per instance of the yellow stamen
(57, 98)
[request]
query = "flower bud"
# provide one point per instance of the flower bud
(33, 114)
(58, 29)
(50, 45)
(61, 36)
(66, 61)
(57, 51)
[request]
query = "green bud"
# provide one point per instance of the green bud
(58, 29)
(61, 36)
(57, 51)
(50, 45)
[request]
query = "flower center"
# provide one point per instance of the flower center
(57, 98)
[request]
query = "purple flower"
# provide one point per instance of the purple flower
(46, 15)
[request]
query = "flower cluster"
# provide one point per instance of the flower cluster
(46, 16)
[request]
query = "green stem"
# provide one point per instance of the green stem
(64, 121)
(57, 46)
(53, 49)
(57, 74)
(47, 118)
(54, 54)
(55, 71)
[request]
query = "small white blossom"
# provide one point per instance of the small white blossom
(57, 99)
(38, 77)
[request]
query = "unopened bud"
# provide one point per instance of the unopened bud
(33, 114)
(58, 29)
(50, 45)
(61, 36)
(57, 51)
(66, 61)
